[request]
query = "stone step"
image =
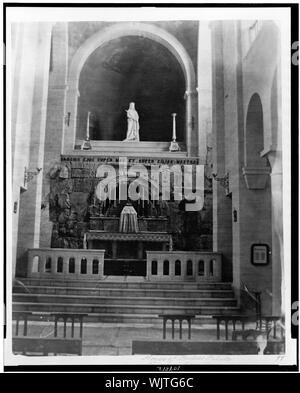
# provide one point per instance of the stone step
(91, 283)
(145, 320)
(122, 309)
(127, 292)
(125, 301)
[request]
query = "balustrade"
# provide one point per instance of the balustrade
(65, 263)
(184, 265)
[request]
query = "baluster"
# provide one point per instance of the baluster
(218, 329)
(194, 268)
(183, 269)
(65, 326)
(25, 325)
(81, 326)
(77, 264)
(218, 268)
(159, 267)
(30, 264)
(55, 325)
(101, 265)
(206, 267)
(226, 329)
(173, 323)
(180, 329)
(72, 328)
(54, 264)
(89, 268)
(164, 327)
(43, 259)
(190, 326)
(17, 325)
(172, 267)
(148, 266)
(66, 264)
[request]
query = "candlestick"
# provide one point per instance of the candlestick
(86, 145)
(88, 127)
(174, 146)
(174, 127)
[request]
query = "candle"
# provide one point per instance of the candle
(174, 127)
(88, 127)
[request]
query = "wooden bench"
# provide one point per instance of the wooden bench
(67, 344)
(180, 318)
(265, 325)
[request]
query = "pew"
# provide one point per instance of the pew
(67, 344)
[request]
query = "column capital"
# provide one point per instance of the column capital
(190, 93)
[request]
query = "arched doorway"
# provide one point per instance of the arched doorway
(127, 69)
(136, 29)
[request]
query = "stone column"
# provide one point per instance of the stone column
(222, 206)
(277, 233)
(191, 122)
(55, 119)
(204, 87)
(29, 144)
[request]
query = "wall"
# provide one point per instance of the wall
(237, 75)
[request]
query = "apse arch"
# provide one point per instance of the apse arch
(130, 29)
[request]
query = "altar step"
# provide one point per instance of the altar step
(122, 283)
(154, 149)
(121, 302)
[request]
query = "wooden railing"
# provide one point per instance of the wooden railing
(65, 263)
(64, 344)
(184, 265)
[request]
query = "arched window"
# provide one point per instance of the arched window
(72, 265)
(95, 268)
(189, 268)
(83, 266)
(201, 268)
(60, 265)
(154, 268)
(177, 268)
(166, 268)
(48, 265)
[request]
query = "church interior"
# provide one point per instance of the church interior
(175, 281)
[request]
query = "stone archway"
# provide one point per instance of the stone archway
(132, 29)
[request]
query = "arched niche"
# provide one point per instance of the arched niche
(117, 31)
(131, 69)
(256, 170)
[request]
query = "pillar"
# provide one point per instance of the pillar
(30, 201)
(204, 88)
(277, 233)
(222, 205)
(54, 120)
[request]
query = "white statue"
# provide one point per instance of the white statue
(132, 124)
